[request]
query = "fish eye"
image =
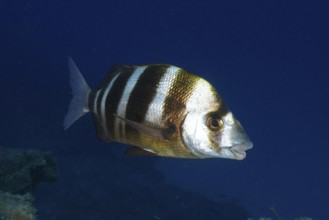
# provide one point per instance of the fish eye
(214, 123)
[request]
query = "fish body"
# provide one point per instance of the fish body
(160, 110)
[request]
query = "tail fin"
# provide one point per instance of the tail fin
(80, 90)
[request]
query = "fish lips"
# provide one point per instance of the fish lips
(237, 151)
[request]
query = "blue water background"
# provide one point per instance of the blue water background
(268, 59)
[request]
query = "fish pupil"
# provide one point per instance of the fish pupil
(214, 123)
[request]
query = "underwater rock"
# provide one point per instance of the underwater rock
(104, 186)
(21, 170)
(166, 201)
(16, 207)
(127, 201)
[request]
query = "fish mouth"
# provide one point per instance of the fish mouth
(233, 141)
(237, 151)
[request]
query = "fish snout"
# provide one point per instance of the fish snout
(234, 142)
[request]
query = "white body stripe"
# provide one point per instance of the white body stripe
(119, 125)
(202, 99)
(102, 110)
(195, 132)
(156, 107)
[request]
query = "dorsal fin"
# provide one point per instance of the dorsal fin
(114, 70)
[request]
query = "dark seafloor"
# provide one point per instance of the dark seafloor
(268, 59)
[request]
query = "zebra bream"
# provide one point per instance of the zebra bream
(160, 110)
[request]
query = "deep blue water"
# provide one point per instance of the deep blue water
(268, 59)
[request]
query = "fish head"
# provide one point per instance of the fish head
(210, 135)
(210, 130)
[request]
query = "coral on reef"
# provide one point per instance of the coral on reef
(21, 170)
(16, 207)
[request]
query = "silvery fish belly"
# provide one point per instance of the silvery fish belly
(160, 110)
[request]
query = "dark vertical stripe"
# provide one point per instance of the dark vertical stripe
(180, 92)
(143, 93)
(223, 109)
(96, 115)
(114, 70)
(114, 96)
(99, 101)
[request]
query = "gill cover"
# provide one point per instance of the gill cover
(195, 135)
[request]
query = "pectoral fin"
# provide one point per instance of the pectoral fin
(136, 151)
(164, 133)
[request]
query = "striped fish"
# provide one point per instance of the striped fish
(160, 110)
